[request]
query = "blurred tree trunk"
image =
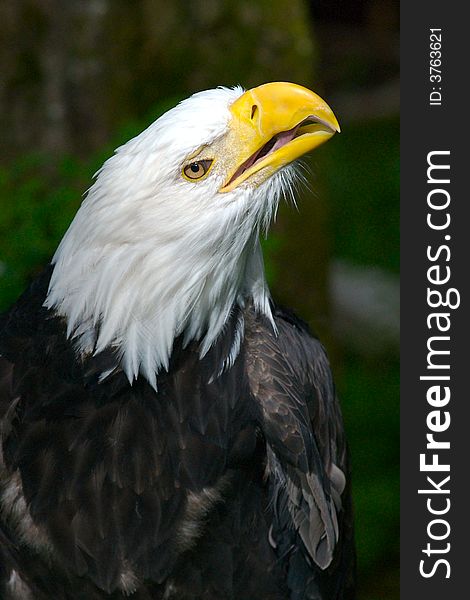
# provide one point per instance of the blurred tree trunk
(72, 71)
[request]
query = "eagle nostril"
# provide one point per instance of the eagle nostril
(254, 110)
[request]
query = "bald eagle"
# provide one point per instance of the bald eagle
(168, 431)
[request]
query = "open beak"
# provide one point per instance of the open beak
(272, 125)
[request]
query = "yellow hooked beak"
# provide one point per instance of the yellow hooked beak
(271, 126)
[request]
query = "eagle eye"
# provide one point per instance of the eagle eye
(197, 169)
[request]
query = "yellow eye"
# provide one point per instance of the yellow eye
(197, 169)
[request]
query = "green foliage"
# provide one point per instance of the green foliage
(36, 207)
(361, 171)
(369, 390)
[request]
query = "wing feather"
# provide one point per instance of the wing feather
(292, 386)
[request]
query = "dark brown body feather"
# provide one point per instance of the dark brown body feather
(217, 487)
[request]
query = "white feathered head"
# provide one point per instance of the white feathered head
(166, 240)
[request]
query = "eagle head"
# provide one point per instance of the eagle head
(165, 243)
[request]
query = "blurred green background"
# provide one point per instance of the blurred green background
(81, 77)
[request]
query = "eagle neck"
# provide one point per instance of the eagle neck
(137, 300)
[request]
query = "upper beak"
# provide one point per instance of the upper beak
(274, 124)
